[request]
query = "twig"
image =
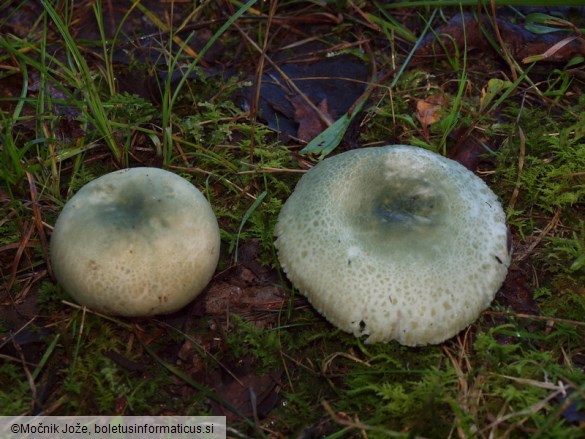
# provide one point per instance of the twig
(533, 317)
(551, 225)
(526, 412)
(323, 117)
(521, 158)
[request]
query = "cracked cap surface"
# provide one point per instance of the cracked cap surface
(135, 242)
(394, 243)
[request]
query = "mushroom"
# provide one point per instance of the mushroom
(394, 243)
(135, 242)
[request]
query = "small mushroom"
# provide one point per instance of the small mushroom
(394, 243)
(135, 242)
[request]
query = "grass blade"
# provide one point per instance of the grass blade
(82, 73)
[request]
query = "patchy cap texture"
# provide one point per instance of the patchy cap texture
(394, 243)
(135, 242)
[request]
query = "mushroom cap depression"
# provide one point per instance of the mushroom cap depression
(135, 242)
(394, 243)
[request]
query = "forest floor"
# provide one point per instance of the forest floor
(92, 87)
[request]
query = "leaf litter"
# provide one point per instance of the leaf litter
(329, 86)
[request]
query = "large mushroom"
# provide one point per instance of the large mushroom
(135, 242)
(394, 243)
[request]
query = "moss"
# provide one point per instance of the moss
(498, 379)
(15, 392)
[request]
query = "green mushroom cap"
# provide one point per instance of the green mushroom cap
(394, 243)
(135, 242)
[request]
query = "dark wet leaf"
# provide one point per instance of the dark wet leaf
(573, 407)
(332, 84)
(516, 293)
(310, 124)
(471, 147)
(122, 361)
(251, 394)
(464, 31)
(329, 139)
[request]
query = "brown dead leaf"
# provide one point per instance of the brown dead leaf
(249, 393)
(430, 110)
(472, 147)
(193, 355)
(224, 297)
(516, 293)
(464, 31)
(310, 124)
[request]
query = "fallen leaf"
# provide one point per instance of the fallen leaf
(517, 294)
(472, 147)
(310, 123)
(465, 32)
(339, 79)
(224, 297)
(430, 110)
(329, 139)
(249, 393)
